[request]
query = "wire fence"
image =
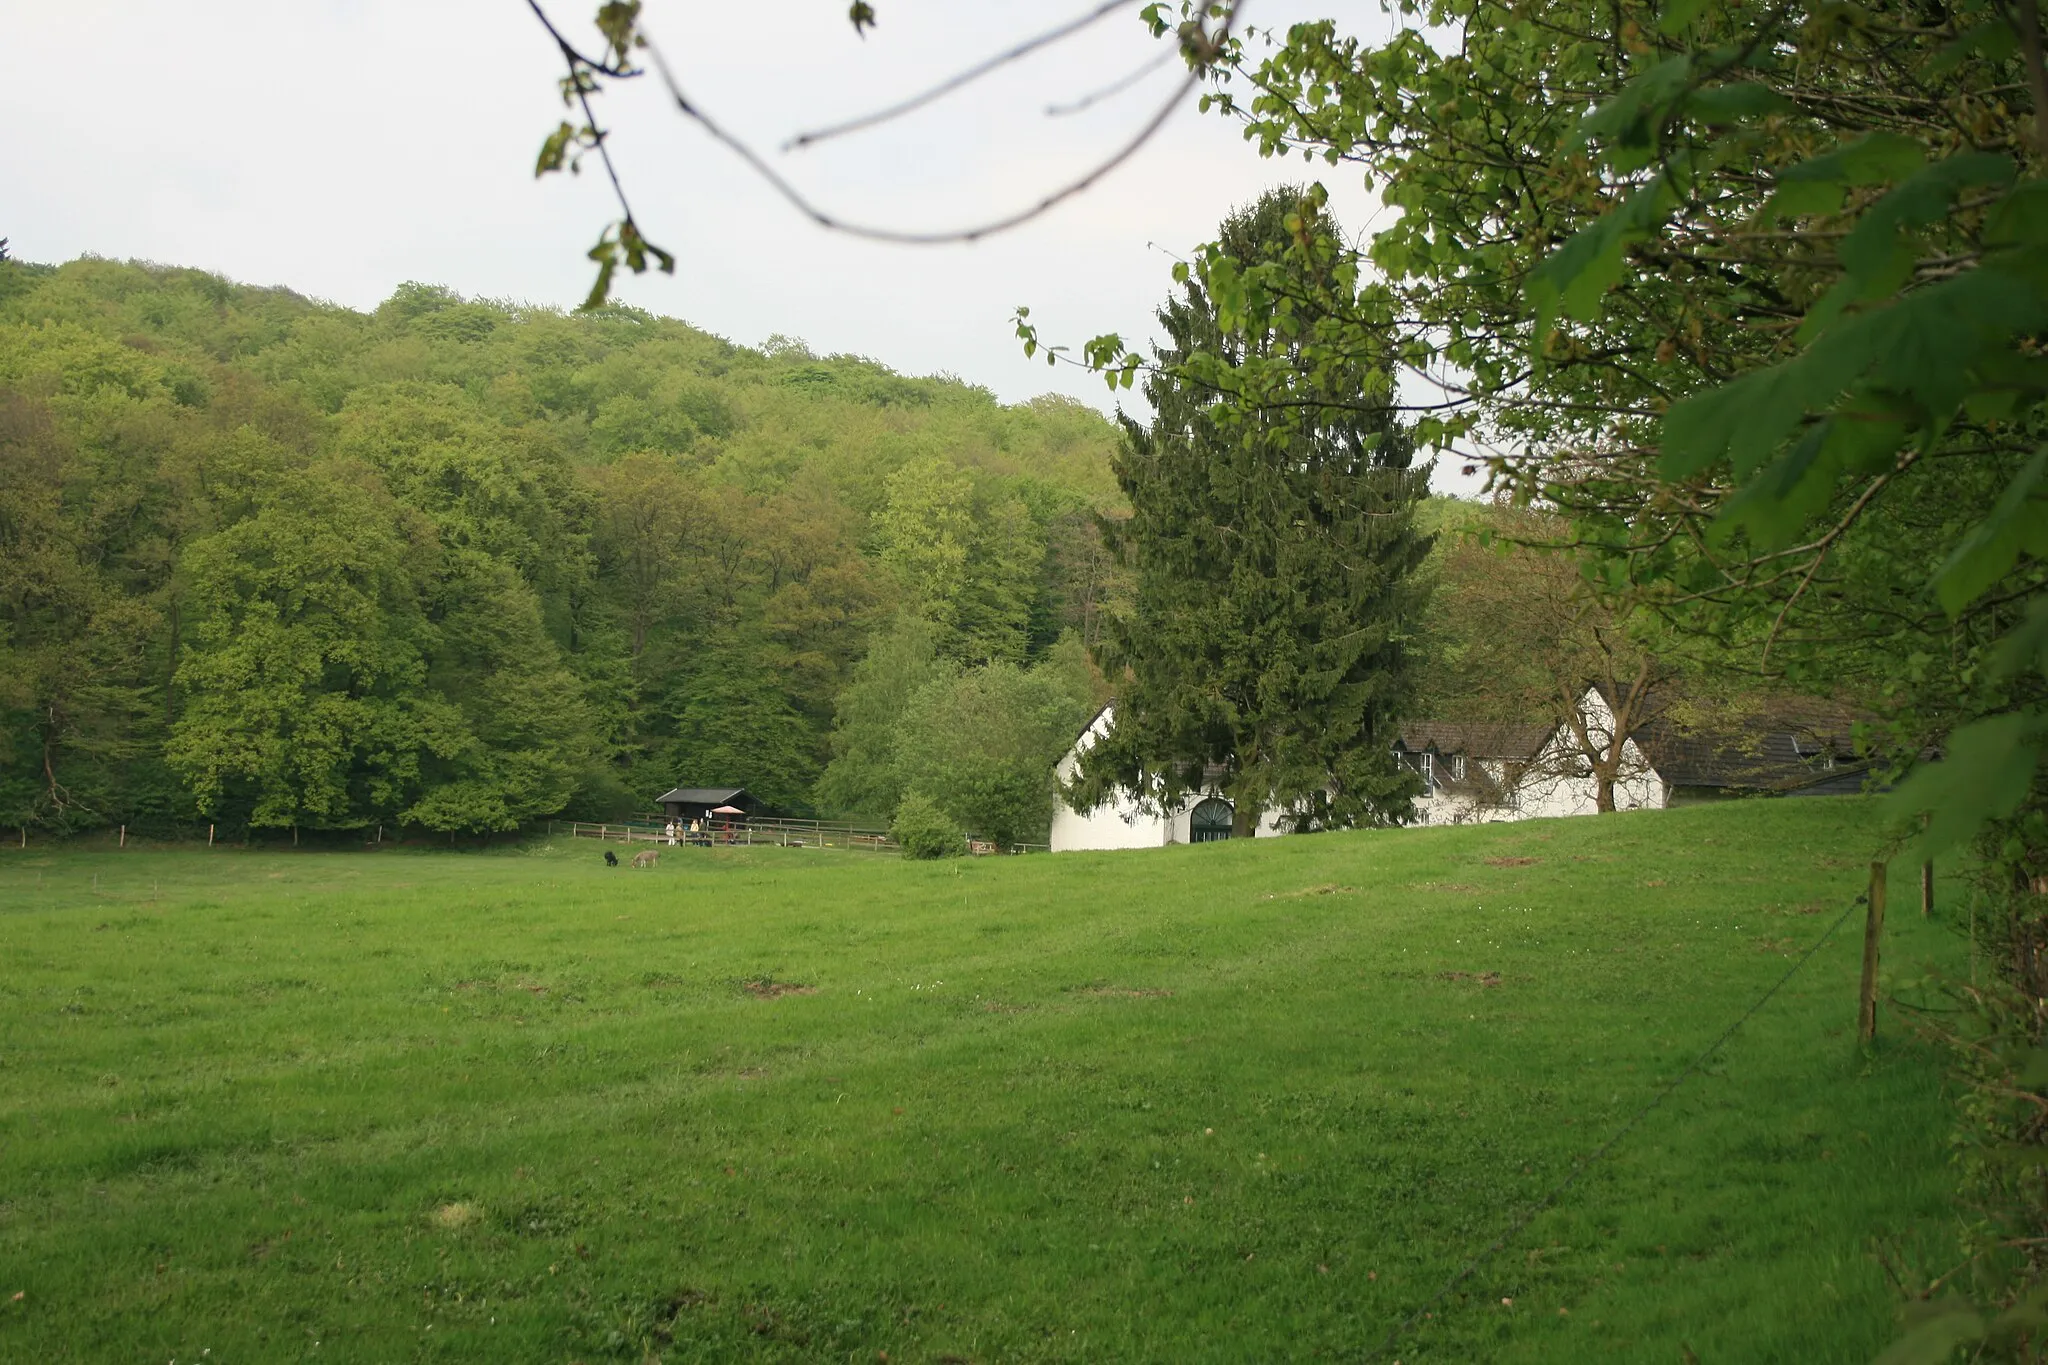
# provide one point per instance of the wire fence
(1557, 1191)
(758, 832)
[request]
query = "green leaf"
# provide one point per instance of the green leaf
(1678, 16)
(553, 151)
(2020, 219)
(1577, 274)
(2025, 646)
(1920, 350)
(1717, 104)
(617, 21)
(1818, 185)
(1935, 1340)
(1922, 198)
(606, 254)
(1636, 113)
(1994, 41)
(2018, 523)
(1988, 770)
(1775, 506)
(1880, 252)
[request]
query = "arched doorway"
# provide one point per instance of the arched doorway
(1209, 821)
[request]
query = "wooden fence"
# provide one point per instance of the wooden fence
(756, 832)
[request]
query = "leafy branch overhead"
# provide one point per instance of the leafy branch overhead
(1200, 41)
(621, 242)
(1754, 295)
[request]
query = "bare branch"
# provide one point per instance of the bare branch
(1201, 49)
(955, 82)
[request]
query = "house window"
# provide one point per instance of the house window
(1457, 767)
(1210, 821)
(1429, 768)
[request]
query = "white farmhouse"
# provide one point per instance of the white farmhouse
(1476, 773)
(1121, 824)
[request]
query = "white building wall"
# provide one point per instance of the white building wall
(1114, 824)
(1548, 792)
(1119, 823)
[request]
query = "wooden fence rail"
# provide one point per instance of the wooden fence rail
(755, 833)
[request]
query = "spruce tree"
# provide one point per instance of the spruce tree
(1264, 648)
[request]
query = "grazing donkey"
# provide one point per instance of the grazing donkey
(647, 857)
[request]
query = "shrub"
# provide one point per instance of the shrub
(925, 831)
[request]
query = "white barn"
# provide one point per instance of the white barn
(1121, 824)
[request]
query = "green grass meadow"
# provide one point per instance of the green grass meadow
(1235, 1102)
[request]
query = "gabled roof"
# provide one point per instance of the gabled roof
(1774, 744)
(701, 796)
(1782, 745)
(1475, 739)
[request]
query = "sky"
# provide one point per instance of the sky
(342, 147)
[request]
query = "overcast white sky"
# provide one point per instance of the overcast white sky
(341, 147)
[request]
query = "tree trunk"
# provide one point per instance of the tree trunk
(1244, 820)
(1603, 790)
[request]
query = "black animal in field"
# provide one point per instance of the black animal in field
(611, 859)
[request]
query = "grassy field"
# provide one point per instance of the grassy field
(1234, 1102)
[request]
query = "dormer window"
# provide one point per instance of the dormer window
(1429, 767)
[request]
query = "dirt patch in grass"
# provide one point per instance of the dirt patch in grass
(1326, 889)
(1476, 978)
(458, 1215)
(1126, 992)
(1512, 862)
(530, 987)
(1444, 886)
(764, 989)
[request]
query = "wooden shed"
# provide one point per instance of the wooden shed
(696, 803)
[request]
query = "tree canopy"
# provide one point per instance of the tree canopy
(1264, 647)
(458, 563)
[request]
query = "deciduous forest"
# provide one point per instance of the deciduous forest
(456, 564)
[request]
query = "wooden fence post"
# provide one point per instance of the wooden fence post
(1873, 930)
(124, 836)
(1927, 888)
(209, 836)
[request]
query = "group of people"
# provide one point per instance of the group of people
(696, 832)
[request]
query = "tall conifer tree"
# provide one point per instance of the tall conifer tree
(1264, 647)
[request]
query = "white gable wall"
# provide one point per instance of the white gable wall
(1552, 787)
(1119, 823)
(1114, 824)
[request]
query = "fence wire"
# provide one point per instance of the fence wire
(1561, 1188)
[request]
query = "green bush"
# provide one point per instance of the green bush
(925, 831)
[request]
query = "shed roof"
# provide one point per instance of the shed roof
(706, 796)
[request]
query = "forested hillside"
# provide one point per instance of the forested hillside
(455, 564)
